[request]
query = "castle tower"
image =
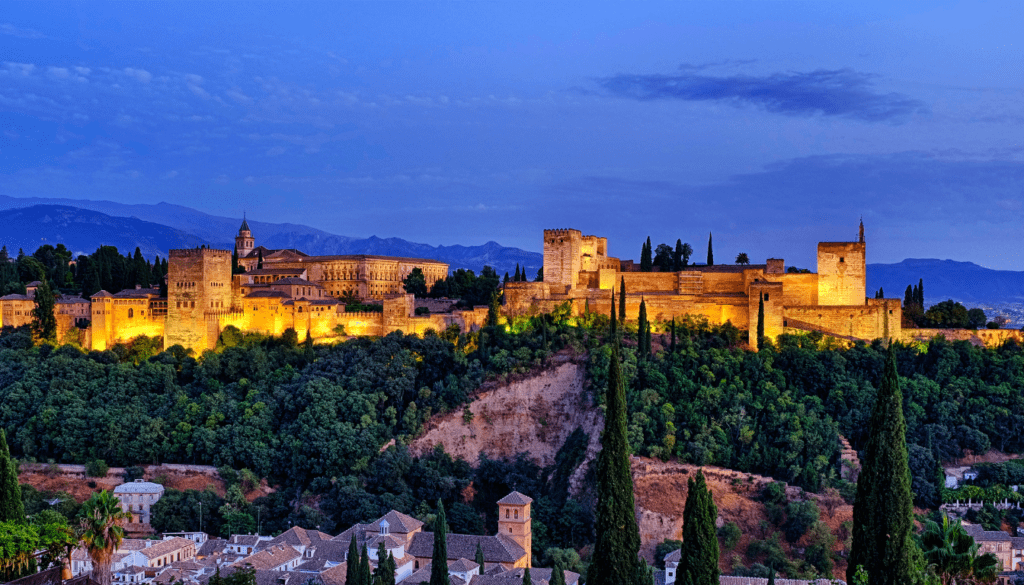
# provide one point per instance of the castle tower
(563, 258)
(198, 284)
(514, 520)
(842, 272)
(244, 242)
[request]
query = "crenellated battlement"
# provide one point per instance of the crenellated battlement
(198, 252)
(562, 232)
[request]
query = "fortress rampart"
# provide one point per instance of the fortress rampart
(832, 301)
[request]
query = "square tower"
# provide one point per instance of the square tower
(563, 258)
(514, 520)
(842, 273)
(198, 285)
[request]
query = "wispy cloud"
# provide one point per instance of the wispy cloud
(140, 75)
(22, 33)
(839, 92)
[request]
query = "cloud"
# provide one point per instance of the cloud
(140, 75)
(840, 92)
(22, 33)
(23, 69)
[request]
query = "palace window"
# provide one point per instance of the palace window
(841, 259)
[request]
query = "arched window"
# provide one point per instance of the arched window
(131, 313)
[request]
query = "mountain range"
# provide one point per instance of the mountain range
(31, 222)
(83, 225)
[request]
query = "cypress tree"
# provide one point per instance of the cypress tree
(557, 575)
(388, 578)
(479, 557)
(771, 575)
(234, 261)
(493, 310)
(506, 279)
(909, 297)
(760, 321)
(698, 562)
(259, 260)
(364, 568)
(439, 560)
(622, 300)
(526, 577)
(352, 562)
(379, 574)
(611, 323)
(883, 513)
(586, 306)
(677, 256)
(711, 254)
(12, 509)
(920, 293)
(616, 560)
(646, 259)
(672, 346)
(641, 328)
(515, 277)
(45, 322)
(881, 292)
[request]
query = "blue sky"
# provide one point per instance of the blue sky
(773, 124)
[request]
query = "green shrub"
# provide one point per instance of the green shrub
(96, 468)
(729, 535)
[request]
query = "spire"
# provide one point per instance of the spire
(861, 238)
(245, 224)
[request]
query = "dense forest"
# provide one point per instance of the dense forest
(312, 420)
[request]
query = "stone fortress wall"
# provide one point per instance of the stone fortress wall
(832, 301)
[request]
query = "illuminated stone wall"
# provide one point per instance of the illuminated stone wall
(842, 276)
(563, 258)
(198, 284)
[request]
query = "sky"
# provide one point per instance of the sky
(771, 124)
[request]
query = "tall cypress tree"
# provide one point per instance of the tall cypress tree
(526, 577)
(711, 254)
(883, 513)
(352, 562)
(672, 346)
(677, 256)
(641, 332)
(760, 321)
(646, 258)
(439, 560)
(11, 507)
(920, 293)
(259, 260)
(557, 575)
(44, 323)
(616, 560)
(622, 300)
(364, 568)
(479, 557)
(908, 297)
(611, 324)
(698, 562)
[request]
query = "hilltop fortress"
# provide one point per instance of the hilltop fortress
(832, 301)
(288, 289)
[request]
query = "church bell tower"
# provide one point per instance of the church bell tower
(514, 522)
(244, 242)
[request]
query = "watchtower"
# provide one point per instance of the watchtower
(514, 519)
(198, 284)
(563, 258)
(842, 272)
(244, 242)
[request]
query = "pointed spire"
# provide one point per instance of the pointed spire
(861, 238)
(245, 224)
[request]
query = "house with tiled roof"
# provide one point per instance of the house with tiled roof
(1008, 549)
(278, 557)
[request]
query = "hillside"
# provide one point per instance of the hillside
(218, 231)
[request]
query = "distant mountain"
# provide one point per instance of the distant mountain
(82, 231)
(965, 282)
(196, 227)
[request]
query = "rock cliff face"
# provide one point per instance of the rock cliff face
(534, 416)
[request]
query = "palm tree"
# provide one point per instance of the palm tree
(954, 554)
(102, 532)
(742, 258)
